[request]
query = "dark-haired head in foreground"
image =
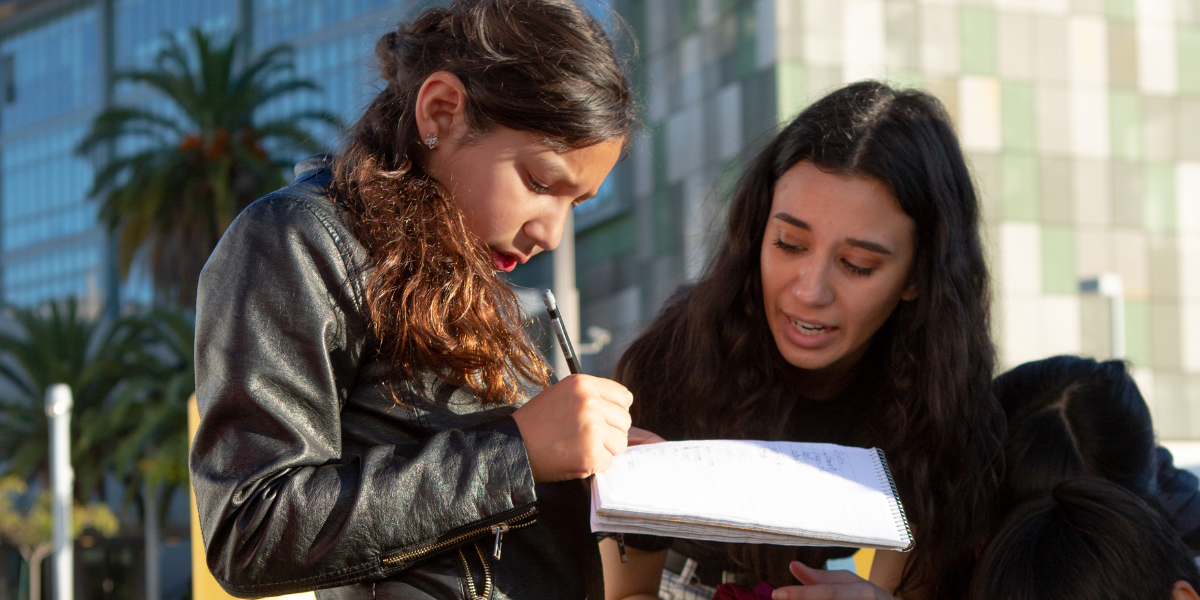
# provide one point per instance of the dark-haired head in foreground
(1070, 416)
(1087, 539)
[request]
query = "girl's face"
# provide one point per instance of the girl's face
(836, 255)
(515, 191)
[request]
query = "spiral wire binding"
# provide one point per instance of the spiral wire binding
(901, 519)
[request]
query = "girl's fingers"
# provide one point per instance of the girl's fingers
(810, 576)
(639, 436)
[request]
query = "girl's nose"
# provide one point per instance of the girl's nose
(812, 285)
(546, 228)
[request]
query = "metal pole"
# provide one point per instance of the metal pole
(62, 480)
(153, 548)
(1111, 286)
(565, 291)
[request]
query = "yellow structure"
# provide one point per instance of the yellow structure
(204, 586)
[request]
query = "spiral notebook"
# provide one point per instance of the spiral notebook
(753, 492)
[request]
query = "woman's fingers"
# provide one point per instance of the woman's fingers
(639, 436)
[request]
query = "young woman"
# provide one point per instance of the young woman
(1086, 539)
(846, 304)
(373, 420)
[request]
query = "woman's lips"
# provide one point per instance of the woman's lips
(808, 334)
(503, 261)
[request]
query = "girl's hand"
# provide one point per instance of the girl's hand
(575, 427)
(639, 436)
(828, 585)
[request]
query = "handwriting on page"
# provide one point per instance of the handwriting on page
(774, 486)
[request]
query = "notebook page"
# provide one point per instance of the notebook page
(822, 490)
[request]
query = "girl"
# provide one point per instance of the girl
(847, 303)
(373, 420)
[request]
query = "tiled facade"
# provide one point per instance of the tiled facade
(1080, 119)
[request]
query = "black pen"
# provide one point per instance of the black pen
(560, 330)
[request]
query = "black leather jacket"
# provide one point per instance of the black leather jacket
(309, 475)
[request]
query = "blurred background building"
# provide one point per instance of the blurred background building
(1080, 119)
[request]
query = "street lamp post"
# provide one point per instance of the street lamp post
(1110, 285)
(62, 479)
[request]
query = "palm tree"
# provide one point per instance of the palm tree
(154, 400)
(199, 164)
(56, 344)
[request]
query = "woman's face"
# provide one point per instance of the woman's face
(515, 191)
(836, 255)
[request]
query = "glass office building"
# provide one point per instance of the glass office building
(55, 57)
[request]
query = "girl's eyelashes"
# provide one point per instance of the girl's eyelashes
(852, 268)
(786, 247)
(535, 186)
(855, 269)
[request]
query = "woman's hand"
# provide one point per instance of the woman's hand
(575, 427)
(828, 585)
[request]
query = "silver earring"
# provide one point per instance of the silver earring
(431, 141)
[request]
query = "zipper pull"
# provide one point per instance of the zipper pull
(620, 537)
(499, 529)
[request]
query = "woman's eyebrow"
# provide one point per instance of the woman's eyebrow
(869, 246)
(790, 220)
(864, 244)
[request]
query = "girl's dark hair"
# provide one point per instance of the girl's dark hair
(708, 366)
(1087, 539)
(540, 66)
(1070, 416)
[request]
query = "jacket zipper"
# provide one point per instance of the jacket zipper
(469, 583)
(498, 529)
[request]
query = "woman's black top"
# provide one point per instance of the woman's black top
(310, 475)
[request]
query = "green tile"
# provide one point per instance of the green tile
(1189, 59)
(668, 224)
(978, 37)
(1138, 345)
(606, 241)
(1124, 10)
(658, 138)
(747, 40)
(1125, 116)
(909, 79)
(1017, 116)
(690, 17)
(791, 89)
(1058, 259)
(1158, 199)
(1019, 187)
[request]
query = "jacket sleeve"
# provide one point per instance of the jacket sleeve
(279, 337)
(1179, 498)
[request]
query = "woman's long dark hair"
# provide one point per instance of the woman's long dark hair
(1070, 416)
(540, 66)
(707, 366)
(1084, 539)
